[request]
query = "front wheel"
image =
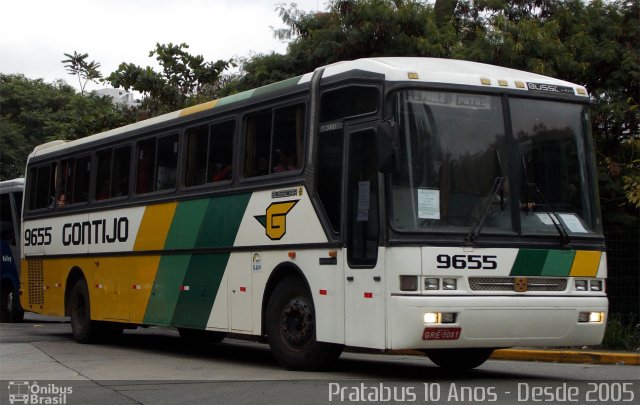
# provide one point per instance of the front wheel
(291, 328)
(459, 359)
(83, 328)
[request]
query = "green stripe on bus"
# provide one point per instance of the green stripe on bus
(529, 262)
(276, 86)
(221, 220)
(235, 98)
(558, 263)
(186, 224)
(166, 289)
(200, 287)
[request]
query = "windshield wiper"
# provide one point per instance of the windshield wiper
(555, 218)
(477, 227)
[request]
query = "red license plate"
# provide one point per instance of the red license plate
(441, 333)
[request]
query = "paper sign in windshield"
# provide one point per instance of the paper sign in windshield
(573, 223)
(428, 203)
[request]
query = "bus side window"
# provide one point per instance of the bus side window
(103, 175)
(196, 162)
(120, 172)
(257, 143)
(288, 130)
(65, 182)
(167, 162)
(6, 222)
(81, 180)
(146, 165)
(221, 151)
(42, 187)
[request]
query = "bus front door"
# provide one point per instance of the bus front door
(364, 287)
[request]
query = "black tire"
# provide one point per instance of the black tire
(459, 359)
(84, 329)
(200, 336)
(10, 310)
(291, 329)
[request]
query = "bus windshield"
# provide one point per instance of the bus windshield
(455, 160)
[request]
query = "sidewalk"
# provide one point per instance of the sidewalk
(569, 356)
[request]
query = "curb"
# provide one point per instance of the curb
(568, 356)
(554, 356)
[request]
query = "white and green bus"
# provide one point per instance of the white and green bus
(389, 203)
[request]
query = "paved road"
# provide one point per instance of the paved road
(154, 366)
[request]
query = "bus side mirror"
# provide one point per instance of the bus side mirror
(387, 138)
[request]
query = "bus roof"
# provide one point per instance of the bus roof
(427, 70)
(8, 186)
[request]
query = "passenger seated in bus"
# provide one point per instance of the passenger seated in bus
(285, 163)
(223, 173)
(61, 201)
(262, 167)
(103, 192)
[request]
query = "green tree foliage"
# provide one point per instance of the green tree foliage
(183, 80)
(33, 112)
(595, 44)
(77, 65)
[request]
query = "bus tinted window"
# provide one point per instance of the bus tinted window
(157, 164)
(274, 148)
(113, 173)
(348, 102)
(209, 153)
(6, 220)
(42, 187)
(196, 164)
(81, 180)
(258, 139)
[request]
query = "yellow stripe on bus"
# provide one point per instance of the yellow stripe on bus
(155, 226)
(197, 108)
(586, 263)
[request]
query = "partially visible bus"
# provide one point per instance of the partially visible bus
(10, 209)
(389, 203)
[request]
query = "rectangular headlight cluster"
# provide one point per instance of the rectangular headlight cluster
(591, 317)
(446, 284)
(589, 285)
(439, 317)
(410, 283)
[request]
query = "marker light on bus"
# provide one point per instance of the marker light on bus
(408, 283)
(591, 317)
(439, 317)
(431, 283)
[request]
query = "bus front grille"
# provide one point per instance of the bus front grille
(509, 284)
(36, 282)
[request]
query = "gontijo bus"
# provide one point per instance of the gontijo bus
(389, 203)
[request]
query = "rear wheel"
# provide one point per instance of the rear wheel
(291, 328)
(10, 310)
(459, 359)
(84, 329)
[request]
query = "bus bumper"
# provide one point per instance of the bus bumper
(494, 321)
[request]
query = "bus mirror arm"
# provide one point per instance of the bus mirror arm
(387, 137)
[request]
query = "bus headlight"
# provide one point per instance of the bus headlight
(449, 284)
(581, 285)
(431, 283)
(595, 285)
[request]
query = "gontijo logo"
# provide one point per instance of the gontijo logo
(275, 219)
